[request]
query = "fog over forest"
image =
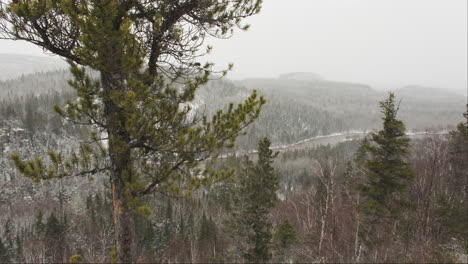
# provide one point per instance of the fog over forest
(385, 44)
(339, 135)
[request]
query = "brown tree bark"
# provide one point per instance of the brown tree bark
(124, 232)
(121, 170)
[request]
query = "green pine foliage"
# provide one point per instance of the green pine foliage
(55, 238)
(10, 243)
(4, 254)
(9, 239)
(39, 226)
(207, 228)
(286, 235)
(149, 107)
(145, 232)
(75, 259)
(382, 164)
(256, 194)
(387, 170)
(144, 133)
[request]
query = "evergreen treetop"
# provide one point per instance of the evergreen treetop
(387, 170)
(256, 196)
(286, 234)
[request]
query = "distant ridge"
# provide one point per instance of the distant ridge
(425, 92)
(14, 65)
(296, 110)
(301, 76)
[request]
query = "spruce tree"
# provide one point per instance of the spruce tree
(29, 119)
(9, 239)
(4, 254)
(286, 234)
(54, 239)
(38, 226)
(204, 228)
(387, 171)
(256, 194)
(144, 136)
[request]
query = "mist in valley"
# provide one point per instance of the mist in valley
(339, 135)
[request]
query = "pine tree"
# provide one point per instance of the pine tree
(29, 119)
(204, 228)
(182, 226)
(4, 254)
(256, 192)
(145, 232)
(38, 226)
(144, 133)
(286, 234)
(54, 237)
(386, 169)
(19, 248)
(190, 225)
(285, 237)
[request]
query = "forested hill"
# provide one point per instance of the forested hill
(299, 105)
(15, 65)
(59, 218)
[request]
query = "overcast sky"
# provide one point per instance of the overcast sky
(385, 43)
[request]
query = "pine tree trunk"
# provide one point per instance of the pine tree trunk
(123, 223)
(121, 172)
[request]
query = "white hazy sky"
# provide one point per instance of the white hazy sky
(385, 43)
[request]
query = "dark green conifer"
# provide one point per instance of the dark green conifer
(29, 120)
(190, 225)
(204, 228)
(256, 193)
(387, 170)
(459, 153)
(38, 226)
(452, 206)
(19, 248)
(182, 226)
(4, 255)
(53, 228)
(9, 240)
(286, 234)
(54, 238)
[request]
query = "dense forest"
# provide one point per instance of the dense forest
(316, 215)
(142, 152)
(296, 110)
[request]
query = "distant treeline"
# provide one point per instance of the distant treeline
(295, 110)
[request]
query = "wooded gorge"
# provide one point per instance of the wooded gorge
(143, 152)
(316, 217)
